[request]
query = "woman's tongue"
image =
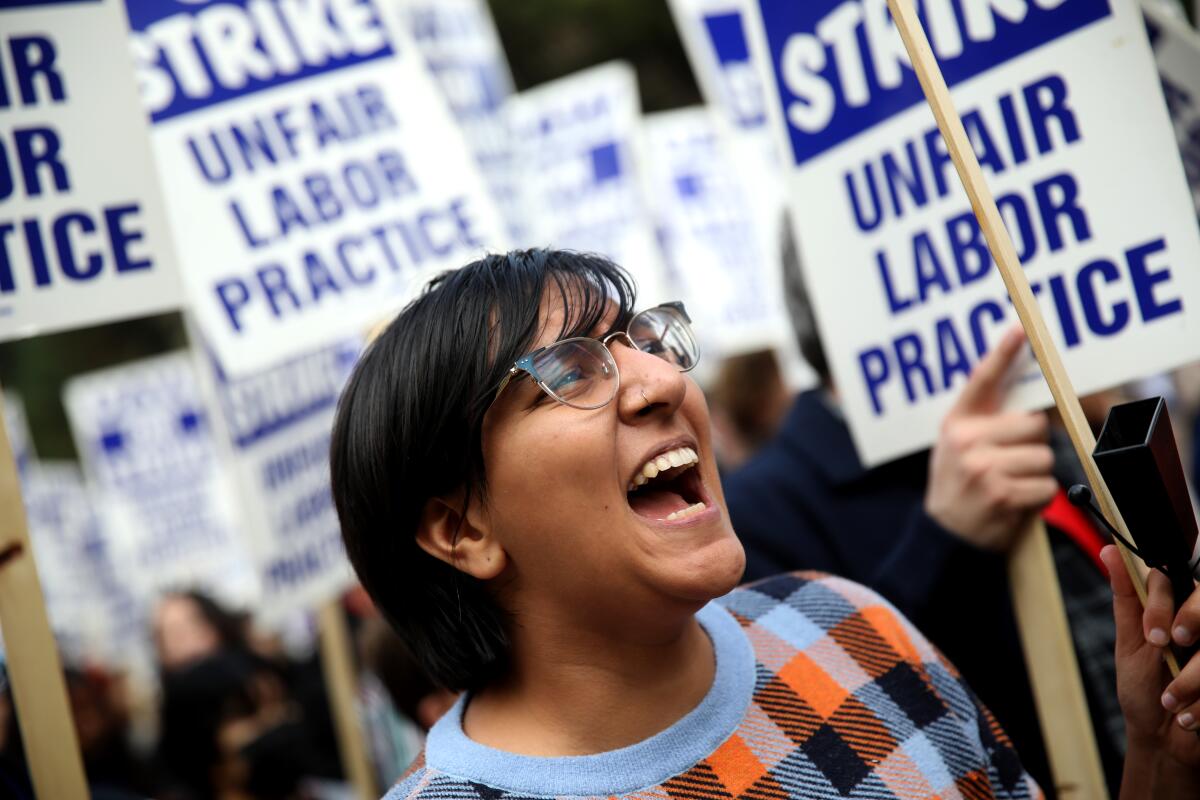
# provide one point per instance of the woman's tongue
(656, 503)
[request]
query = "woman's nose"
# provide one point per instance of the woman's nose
(650, 386)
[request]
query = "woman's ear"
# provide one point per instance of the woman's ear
(461, 540)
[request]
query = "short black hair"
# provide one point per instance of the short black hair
(408, 429)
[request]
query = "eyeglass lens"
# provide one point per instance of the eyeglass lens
(578, 372)
(582, 373)
(665, 333)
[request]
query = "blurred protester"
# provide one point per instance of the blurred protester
(101, 722)
(747, 401)
(526, 487)
(412, 691)
(190, 625)
(401, 702)
(930, 531)
(238, 719)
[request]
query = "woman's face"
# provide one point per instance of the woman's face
(578, 542)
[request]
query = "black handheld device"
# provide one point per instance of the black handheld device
(1137, 455)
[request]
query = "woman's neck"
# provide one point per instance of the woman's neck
(585, 694)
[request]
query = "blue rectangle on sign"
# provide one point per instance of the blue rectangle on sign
(728, 37)
(836, 69)
(606, 162)
(191, 55)
(687, 185)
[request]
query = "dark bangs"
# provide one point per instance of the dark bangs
(408, 429)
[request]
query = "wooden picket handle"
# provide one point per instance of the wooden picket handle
(34, 668)
(1053, 667)
(1028, 565)
(338, 666)
(1005, 256)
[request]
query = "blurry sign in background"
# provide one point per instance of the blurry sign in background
(457, 39)
(278, 424)
(713, 31)
(714, 35)
(1065, 112)
(95, 615)
(315, 175)
(83, 233)
(576, 147)
(147, 446)
(17, 427)
(716, 252)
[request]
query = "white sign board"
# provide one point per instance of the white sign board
(83, 236)
(714, 35)
(576, 147)
(1063, 105)
(148, 449)
(716, 251)
(91, 610)
(1177, 54)
(316, 178)
(17, 428)
(458, 40)
(279, 424)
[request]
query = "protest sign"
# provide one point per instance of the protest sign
(278, 425)
(713, 33)
(1064, 112)
(18, 431)
(95, 617)
(147, 446)
(576, 147)
(716, 252)
(316, 178)
(459, 43)
(83, 235)
(1177, 53)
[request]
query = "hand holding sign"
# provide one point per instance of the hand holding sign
(989, 471)
(1161, 754)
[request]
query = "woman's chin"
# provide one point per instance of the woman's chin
(708, 573)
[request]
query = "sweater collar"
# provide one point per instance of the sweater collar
(642, 765)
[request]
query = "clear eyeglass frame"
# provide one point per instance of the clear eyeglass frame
(581, 372)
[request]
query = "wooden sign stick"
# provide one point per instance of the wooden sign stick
(1005, 256)
(34, 668)
(1053, 667)
(1035, 583)
(338, 666)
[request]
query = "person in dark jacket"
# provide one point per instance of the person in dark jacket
(930, 531)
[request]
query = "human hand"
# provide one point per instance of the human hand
(990, 471)
(1163, 757)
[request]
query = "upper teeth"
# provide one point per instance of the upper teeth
(679, 457)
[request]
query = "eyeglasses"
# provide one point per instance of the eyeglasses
(581, 372)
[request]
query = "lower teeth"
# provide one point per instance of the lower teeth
(686, 512)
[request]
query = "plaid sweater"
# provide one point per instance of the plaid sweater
(822, 690)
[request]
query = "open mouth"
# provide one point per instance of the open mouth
(668, 487)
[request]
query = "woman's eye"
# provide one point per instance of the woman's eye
(566, 381)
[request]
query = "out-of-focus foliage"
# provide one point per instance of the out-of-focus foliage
(547, 39)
